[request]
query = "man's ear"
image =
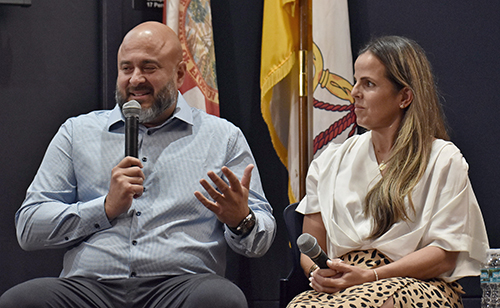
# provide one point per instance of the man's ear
(180, 74)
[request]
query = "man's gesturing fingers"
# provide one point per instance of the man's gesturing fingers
(236, 185)
(231, 200)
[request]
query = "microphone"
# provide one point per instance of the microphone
(308, 245)
(131, 110)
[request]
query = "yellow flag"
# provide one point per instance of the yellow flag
(278, 63)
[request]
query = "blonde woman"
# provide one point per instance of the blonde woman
(393, 208)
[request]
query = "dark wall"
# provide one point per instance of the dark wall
(57, 59)
(49, 64)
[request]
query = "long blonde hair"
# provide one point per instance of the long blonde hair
(406, 66)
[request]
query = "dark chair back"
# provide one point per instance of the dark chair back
(296, 282)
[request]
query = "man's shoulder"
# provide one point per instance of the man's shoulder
(202, 118)
(92, 115)
(96, 118)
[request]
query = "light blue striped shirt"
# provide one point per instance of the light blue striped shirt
(167, 231)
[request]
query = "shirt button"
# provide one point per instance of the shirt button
(138, 214)
(144, 159)
(134, 242)
(97, 226)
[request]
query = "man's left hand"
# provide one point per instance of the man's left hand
(230, 203)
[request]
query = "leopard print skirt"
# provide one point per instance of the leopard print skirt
(406, 292)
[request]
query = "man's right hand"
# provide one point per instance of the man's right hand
(126, 184)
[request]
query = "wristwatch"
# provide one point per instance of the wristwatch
(246, 225)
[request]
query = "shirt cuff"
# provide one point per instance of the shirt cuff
(94, 216)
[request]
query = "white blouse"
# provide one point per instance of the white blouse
(447, 213)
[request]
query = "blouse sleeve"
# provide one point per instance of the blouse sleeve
(309, 204)
(456, 222)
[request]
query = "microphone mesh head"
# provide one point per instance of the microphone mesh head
(131, 109)
(308, 245)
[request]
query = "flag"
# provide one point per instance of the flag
(331, 116)
(279, 87)
(192, 21)
(333, 106)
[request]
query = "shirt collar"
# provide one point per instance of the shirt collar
(181, 112)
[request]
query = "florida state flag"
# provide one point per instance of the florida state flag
(192, 21)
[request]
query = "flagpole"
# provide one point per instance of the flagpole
(304, 38)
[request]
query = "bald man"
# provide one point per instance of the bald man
(149, 231)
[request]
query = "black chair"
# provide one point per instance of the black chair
(296, 281)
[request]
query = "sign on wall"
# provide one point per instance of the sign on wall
(147, 4)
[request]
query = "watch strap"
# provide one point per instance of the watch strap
(246, 225)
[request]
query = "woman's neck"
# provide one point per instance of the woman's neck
(382, 145)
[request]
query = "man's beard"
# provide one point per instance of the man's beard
(165, 98)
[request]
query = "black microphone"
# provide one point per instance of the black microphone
(131, 110)
(308, 245)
